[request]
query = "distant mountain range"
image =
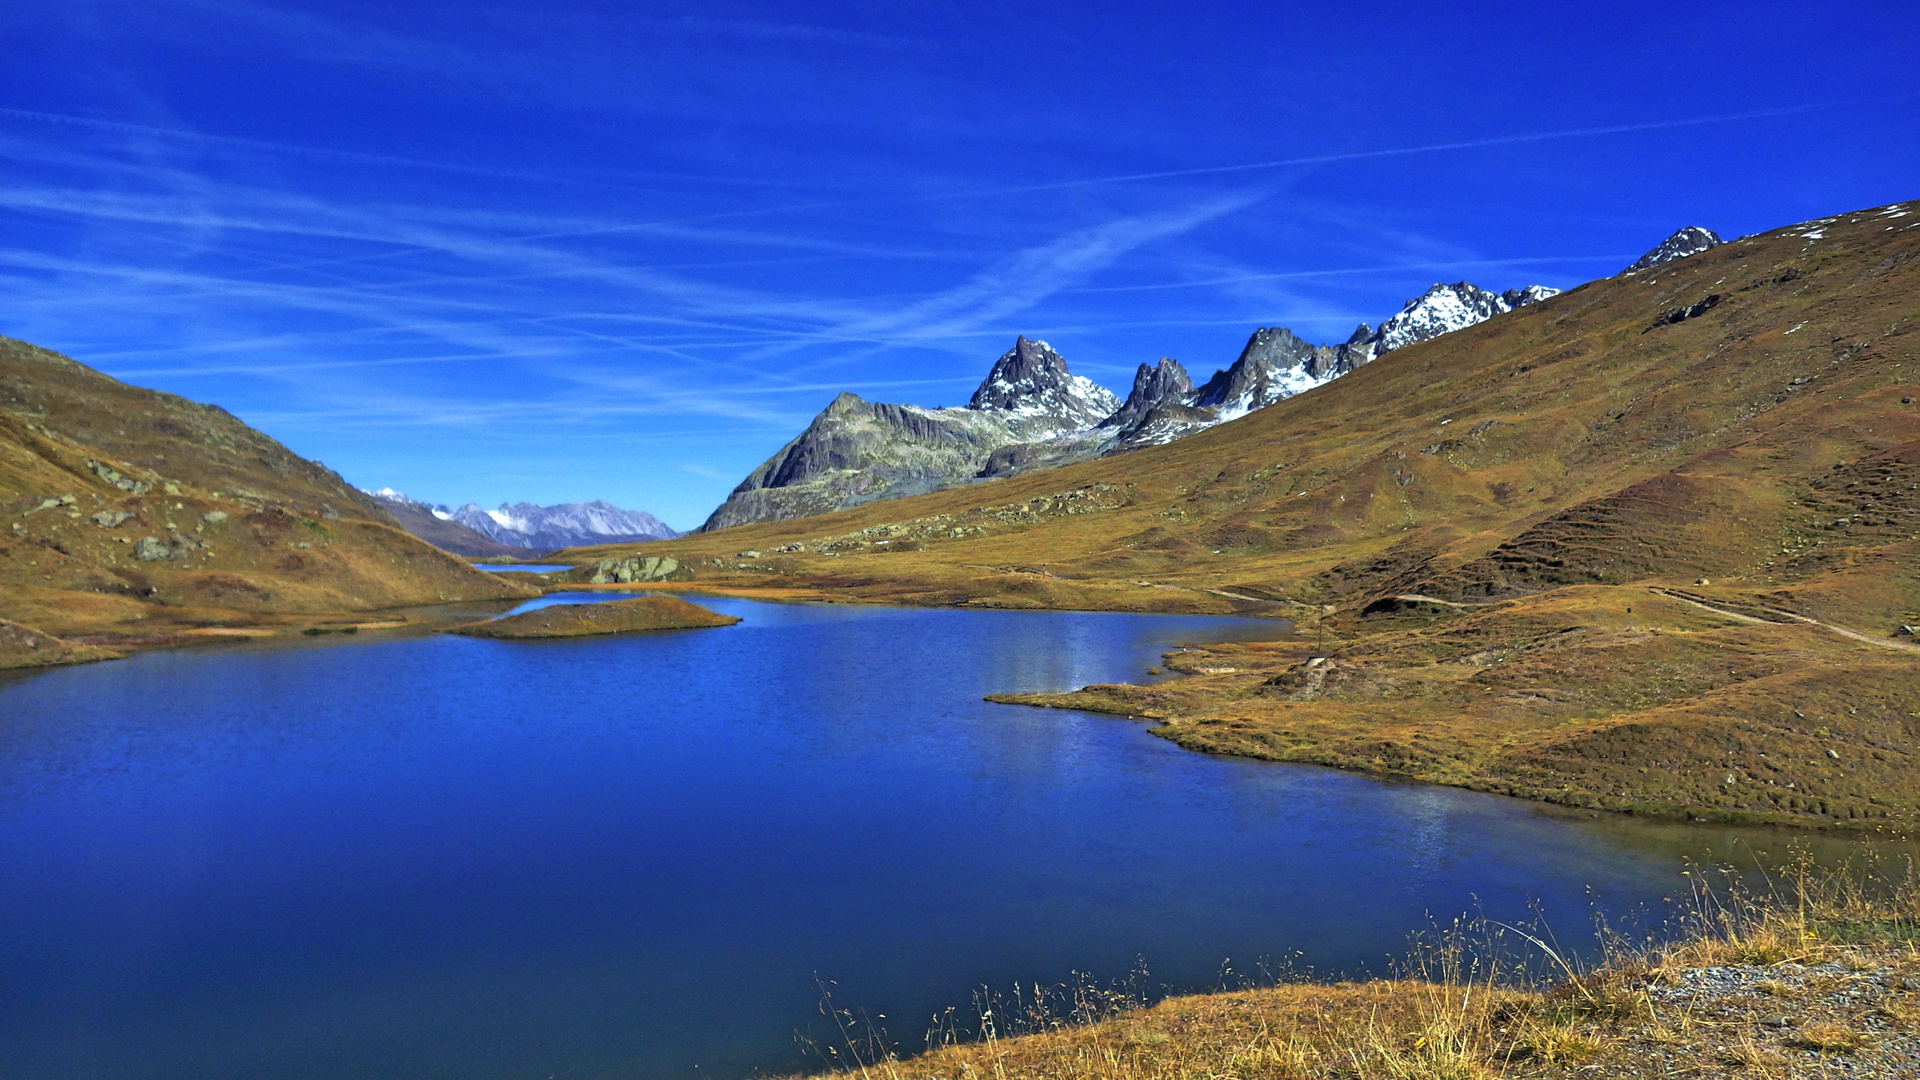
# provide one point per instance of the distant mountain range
(1031, 413)
(521, 528)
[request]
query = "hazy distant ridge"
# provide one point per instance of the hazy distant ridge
(525, 526)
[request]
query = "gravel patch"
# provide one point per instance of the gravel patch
(1858, 1018)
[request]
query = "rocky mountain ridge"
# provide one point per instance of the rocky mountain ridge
(856, 450)
(1031, 412)
(1032, 380)
(436, 526)
(550, 528)
(520, 528)
(1691, 240)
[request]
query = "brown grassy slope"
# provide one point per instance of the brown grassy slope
(199, 446)
(1554, 463)
(246, 533)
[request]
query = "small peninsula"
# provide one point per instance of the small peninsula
(588, 620)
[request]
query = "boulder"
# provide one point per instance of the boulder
(627, 571)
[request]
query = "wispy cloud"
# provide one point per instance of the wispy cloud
(1448, 266)
(752, 28)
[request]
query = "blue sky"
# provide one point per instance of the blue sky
(565, 251)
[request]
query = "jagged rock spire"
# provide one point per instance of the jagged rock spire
(1152, 384)
(1031, 378)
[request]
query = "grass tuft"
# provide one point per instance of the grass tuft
(1460, 1012)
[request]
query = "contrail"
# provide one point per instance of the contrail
(1295, 275)
(981, 193)
(1402, 151)
(124, 128)
(321, 153)
(1212, 170)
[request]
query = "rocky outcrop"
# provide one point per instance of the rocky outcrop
(1153, 386)
(628, 571)
(1276, 364)
(1691, 240)
(1442, 309)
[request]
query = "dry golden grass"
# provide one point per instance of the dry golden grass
(1830, 1038)
(1464, 1021)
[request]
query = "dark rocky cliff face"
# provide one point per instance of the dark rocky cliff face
(844, 436)
(1268, 353)
(1152, 386)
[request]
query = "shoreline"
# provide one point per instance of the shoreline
(1312, 666)
(1818, 978)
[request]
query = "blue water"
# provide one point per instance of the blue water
(438, 856)
(531, 568)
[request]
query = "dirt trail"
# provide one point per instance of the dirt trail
(1841, 630)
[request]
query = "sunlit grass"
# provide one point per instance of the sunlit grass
(1474, 1001)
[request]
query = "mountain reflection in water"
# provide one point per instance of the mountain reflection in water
(631, 856)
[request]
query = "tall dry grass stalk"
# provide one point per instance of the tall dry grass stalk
(1465, 1006)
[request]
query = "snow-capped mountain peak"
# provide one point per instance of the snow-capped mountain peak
(401, 498)
(1031, 380)
(548, 528)
(1691, 240)
(1442, 309)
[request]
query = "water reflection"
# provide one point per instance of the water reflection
(629, 856)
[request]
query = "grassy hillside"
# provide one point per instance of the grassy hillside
(139, 518)
(1605, 550)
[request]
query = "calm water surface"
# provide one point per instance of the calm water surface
(631, 856)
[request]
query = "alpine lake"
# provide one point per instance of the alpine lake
(653, 855)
